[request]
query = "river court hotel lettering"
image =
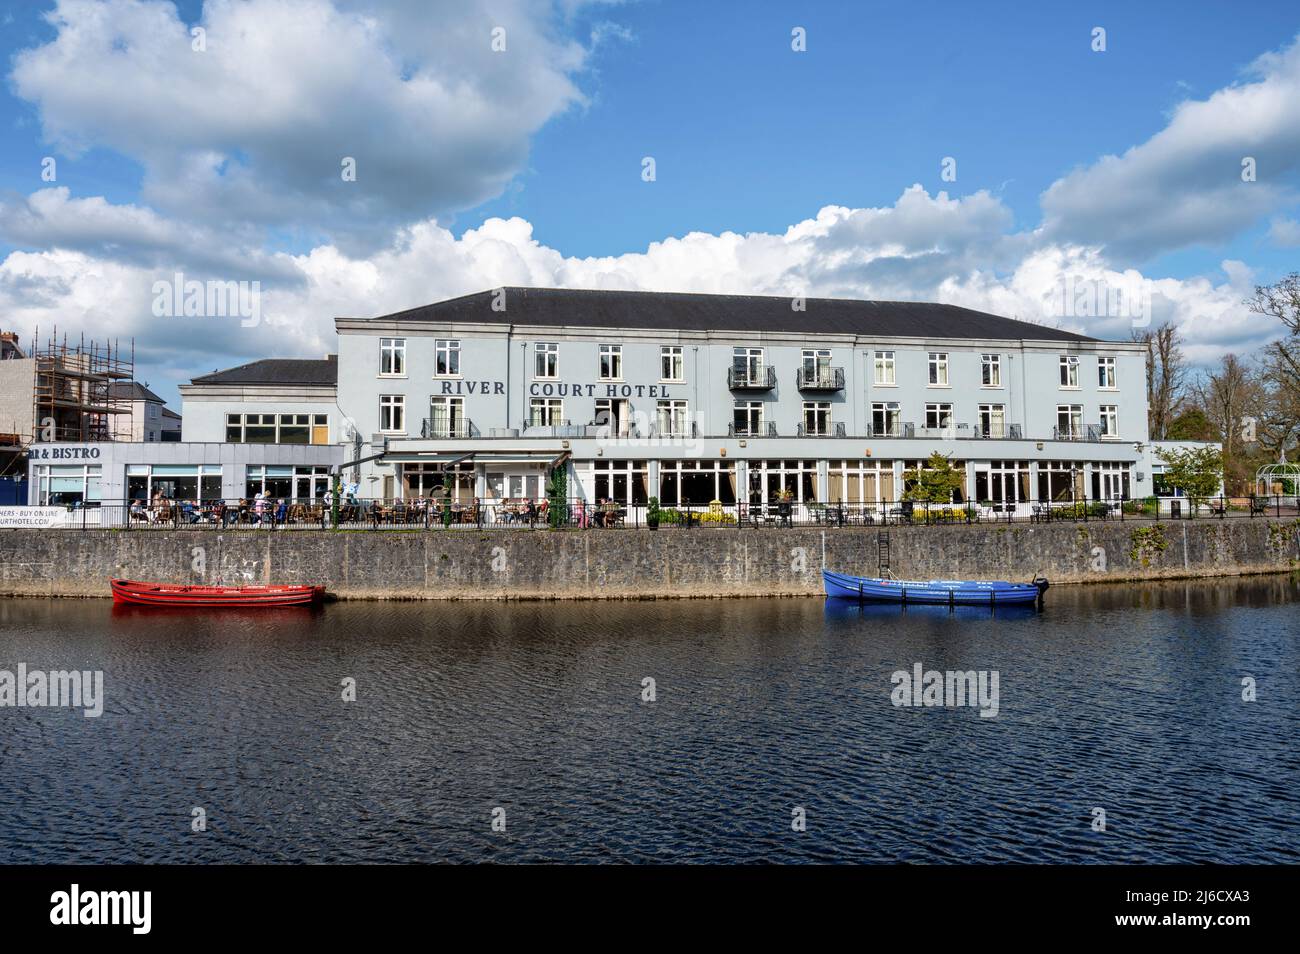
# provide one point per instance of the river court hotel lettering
(556, 389)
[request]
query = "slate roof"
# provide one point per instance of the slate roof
(320, 372)
(132, 391)
(671, 311)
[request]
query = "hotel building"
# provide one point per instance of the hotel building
(690, 398)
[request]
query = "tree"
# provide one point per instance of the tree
(1193, 425)
(1280, 422)
(1196, 471)
(1230, 394)
(935, 481)
(1166, 371)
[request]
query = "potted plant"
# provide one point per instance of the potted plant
(784, 496)
(652, 513)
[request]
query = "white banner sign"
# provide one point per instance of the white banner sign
(45, 517)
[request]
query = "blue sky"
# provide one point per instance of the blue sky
(480, 168)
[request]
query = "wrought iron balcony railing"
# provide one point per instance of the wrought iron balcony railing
(751, 378)
(767, 429)
(442, 429)
(832, 429)
(820, 378)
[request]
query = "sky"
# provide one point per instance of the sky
(1008, 157)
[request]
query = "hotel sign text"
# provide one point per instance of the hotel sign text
(63, 453)
(557, 389)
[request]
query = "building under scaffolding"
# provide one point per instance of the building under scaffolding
(74, 397)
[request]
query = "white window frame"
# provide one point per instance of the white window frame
(937, 369)
(672, 357)
(453, 411)
(890, 410)
(392, 407)
(613, 355)
(393, 352)
(817, 408)
(448, 350)
(1074, 413)
(673, 417)
(997, 421)
(754, 414)
(546, 360)
(991, 370)
(944, 417)
(1069, 372)
(1106, 371)
(545, 412)
(1108, 423)
(885, 375)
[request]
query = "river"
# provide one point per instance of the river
(527, 732)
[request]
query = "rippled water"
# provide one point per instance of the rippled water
(1119, 698)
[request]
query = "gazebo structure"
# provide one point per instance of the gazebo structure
(1282, 479)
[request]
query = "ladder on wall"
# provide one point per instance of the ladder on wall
(882, 554)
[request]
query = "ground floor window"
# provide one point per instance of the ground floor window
(432, 480)
(1001, 484)
(287, 483)
(696, 482)
(768, 478)
(277, 428)
(859, 481)
(623, 481)
(148, 482)
(1060, 480)
(65, 485)
(1110, 480)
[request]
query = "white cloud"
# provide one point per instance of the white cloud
(255, 128)
(1184, 186)
(921, 248)
(1284, 232)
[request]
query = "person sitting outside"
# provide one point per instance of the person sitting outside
(282, 513)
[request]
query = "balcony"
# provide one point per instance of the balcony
(1075, 434)
(1002, 432)
(757, 430)
(751, 378)
(446, 429)
(820, 378)
(674, 429)
(835, 429)
(902, 429)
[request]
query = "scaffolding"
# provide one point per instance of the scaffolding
(74, 394)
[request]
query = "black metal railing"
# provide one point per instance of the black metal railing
(423, 513)
(820, 378)
(751, 378)
(830, 429)
(765, 429)
(441, 428)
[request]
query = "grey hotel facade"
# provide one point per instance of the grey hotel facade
(690, 398)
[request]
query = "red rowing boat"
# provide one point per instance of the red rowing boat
(174, 594)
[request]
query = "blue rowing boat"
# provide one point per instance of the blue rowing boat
(950, 592)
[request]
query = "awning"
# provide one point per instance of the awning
(444, 458)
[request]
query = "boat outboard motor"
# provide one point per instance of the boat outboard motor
(1042, 584)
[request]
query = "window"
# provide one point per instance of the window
(392, 357)
(860, 481)
(747, 419)
(277, 429)
(992, 420)
(885, 368)
(446, 418)
(1069, 421)
(885, 419)
(446, 357)
(672, 418)
(938, 416)
(624, 481)
(1109, 420)
(614, 415)
(545, 412)
(817, 418)
(611, 362)
(1106, 373)
(1069, 371)
(696, 483)
(767, 478)
(672, 366)
(938, 369)
(816, 370)
(748, 365)
(991, 365)
(60, 485)
(392, 413)
(546, 355)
